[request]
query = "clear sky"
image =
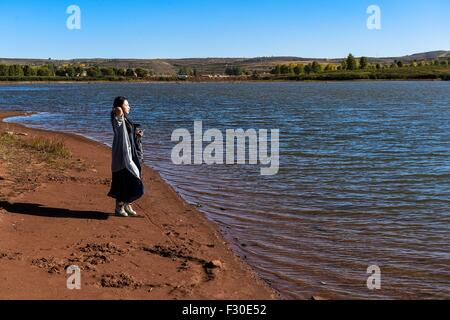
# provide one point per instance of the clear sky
(221, 28)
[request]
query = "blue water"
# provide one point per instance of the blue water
(364, 175)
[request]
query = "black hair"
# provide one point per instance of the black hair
(119, 101)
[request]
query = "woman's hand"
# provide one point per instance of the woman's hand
(118, 112)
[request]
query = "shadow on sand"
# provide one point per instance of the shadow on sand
(33, 209)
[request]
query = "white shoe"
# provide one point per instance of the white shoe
(130, 210)
(120, 210)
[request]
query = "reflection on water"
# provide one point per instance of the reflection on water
(364, 173)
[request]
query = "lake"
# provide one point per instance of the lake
(364, 174)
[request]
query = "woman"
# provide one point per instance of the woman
(126, 186)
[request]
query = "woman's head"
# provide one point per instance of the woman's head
(122, 102)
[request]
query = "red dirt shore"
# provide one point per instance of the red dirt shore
(53, 218)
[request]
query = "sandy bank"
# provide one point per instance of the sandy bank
(56, 215)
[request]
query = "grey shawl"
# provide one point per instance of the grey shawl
(121, 149)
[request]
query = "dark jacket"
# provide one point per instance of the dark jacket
(136, 140)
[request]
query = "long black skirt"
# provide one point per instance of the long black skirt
(125, 187)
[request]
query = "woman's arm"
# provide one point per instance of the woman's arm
(118, 112)
(118, 118)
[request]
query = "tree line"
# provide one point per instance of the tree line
(352, 64)
(71, 71)
(349, 64)
(349, 67)
(313, 67)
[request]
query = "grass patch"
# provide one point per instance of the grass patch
(55, 148)
(47, 148)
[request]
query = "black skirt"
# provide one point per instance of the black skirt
(125, 187)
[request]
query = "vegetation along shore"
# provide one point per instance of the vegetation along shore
(423, 66)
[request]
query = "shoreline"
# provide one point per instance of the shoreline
(64, 217)
(5, 83)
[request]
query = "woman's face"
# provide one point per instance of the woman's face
(126, 107)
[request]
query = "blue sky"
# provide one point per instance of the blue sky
(221, 28)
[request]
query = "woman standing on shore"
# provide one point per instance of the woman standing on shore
(126, 186)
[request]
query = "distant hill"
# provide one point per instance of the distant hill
(432, 55)
(214, 65)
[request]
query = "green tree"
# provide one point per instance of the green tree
(121, 72)
(43, 71)
(130, 73)
(107, 72)
(298, 69)
(308, 68)
(94, 72)
(291, 67)
(78, 70)
(16, 71)
(142, 73)
(363, 62)
(61, 72)
(52, 69)
(4, 70)
(351, 62)
(330, 67)
(316, 67)
(284, 69)
(234, 71)
(276, 70)
(71, 72)
(185, 71)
